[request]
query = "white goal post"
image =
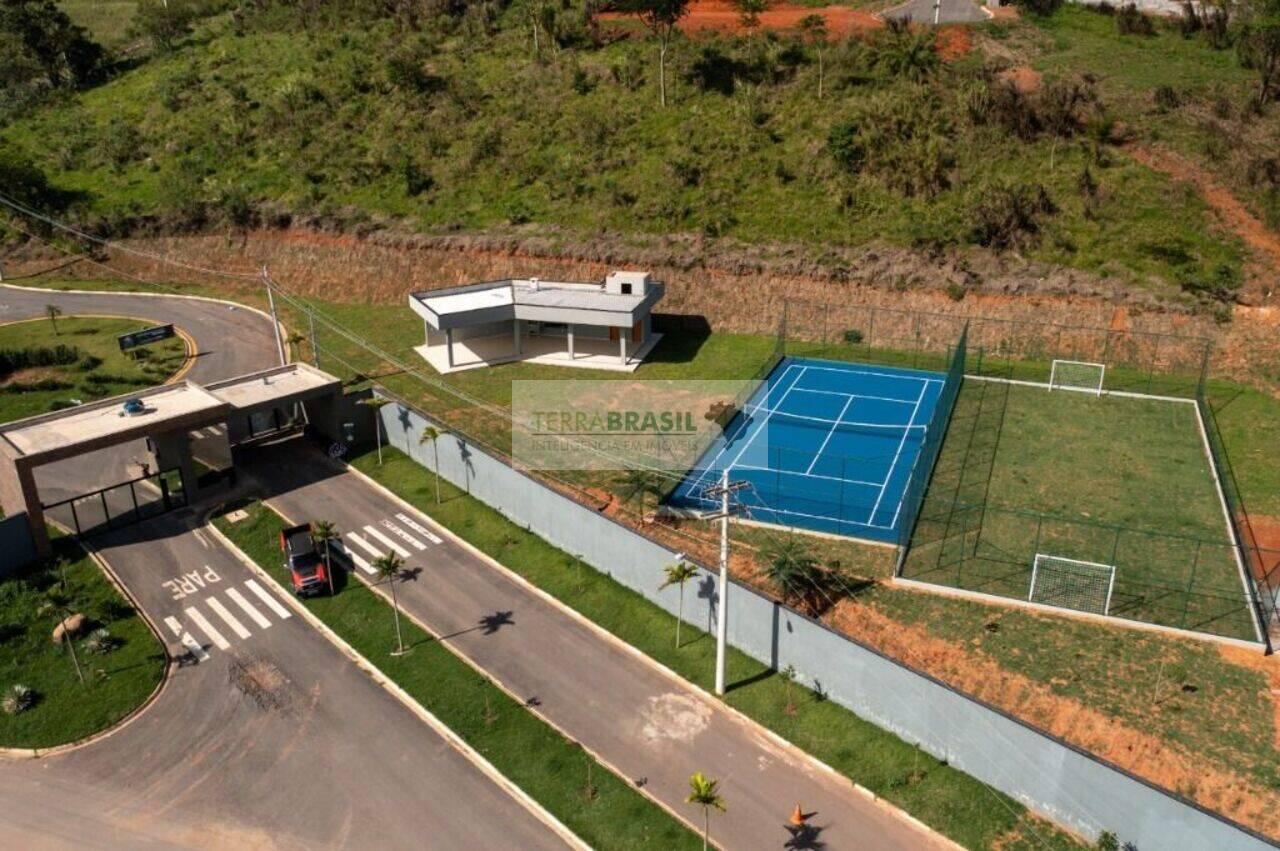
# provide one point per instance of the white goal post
(1085, 586)
(1079, 375)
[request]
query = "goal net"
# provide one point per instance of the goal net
(1077, 375)
(1085, 586)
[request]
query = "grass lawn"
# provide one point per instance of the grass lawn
(107, 21)
(1057, 473)
(116, 683)
(600, 807)
(954, 803)
(97, 368)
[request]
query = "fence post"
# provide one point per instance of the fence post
(1186, 600)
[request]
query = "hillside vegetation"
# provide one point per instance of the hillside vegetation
(488, 115)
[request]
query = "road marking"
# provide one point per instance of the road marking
(254, 615)
(173, 624)
(420, 529)
(364, 545)
(356, 559)
(207, 628)
(194, 647)
(403, 535)
(221, 611)
(272, 603)
(396, 548)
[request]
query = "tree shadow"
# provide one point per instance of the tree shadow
(805, 837)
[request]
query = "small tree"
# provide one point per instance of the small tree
(678, 574)
(163, 22)
(431, 434)
(794, 572)
(62, 604)
(813, 29)
(637, 485)
(52, 311)
(376, 404)
(749, 11)
(1258, 45)
(325, 532)
(705, 792)
(388, 567)
(660, 17)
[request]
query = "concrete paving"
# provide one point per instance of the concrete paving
(653, 728)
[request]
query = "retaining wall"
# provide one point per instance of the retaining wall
(1047, 775)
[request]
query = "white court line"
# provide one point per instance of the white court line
(207, 628)
(898, 375)
(772, 412)
(396, 548)
(403, 535)
(854, 395)
(254, 615)
(364, 545)
(765, 425)
(222, 612)
(742, 424)
(356, 558)
(897, 455)
(420, 529)
(808, 475)
(827, 439)
(272, 603)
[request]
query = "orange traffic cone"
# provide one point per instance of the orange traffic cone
(798, 818)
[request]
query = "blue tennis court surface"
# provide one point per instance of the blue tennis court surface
(825, 445)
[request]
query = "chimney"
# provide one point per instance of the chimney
(533, 284)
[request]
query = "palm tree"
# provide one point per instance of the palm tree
(295, 340)
(324, 532)
(62, 603)
(678, 574)
(388, 567)
(793, 570)
(430, 434)
(53, 312)
(639, 483)
(705, 792)
(376, 403)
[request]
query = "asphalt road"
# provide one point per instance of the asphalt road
(267, 735)
(647, 724)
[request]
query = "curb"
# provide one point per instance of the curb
(735, 714)
(391, 687)
(165, 678)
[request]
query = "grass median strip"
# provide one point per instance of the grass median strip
(948, 800)
(603, 809)
(122, 664)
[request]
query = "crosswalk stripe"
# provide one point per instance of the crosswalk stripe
(396, 548)
(221, 611)
(173, 624)
(403, 535)
(419, 528)
(255, 615)
(357, 559)
(364, 545)
(207, 628)
(272, 603)
(194, 646)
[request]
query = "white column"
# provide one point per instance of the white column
(515, 326)
(570, 341)
(448, 345)
(622, 346)
(722, 621)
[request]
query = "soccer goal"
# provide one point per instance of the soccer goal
(1085, 586)
(1077, 375)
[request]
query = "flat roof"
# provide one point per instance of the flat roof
(260, 388)
(106, 419)
(498, 294)
(515, 293)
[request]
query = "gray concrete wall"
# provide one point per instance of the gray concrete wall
(1047, 775)
(16, 545)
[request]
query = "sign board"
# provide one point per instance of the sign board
(145, 337)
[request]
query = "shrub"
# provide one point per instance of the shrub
(100, 642)
(1010, 216)
(853, 336)
(12, 360)
(1043, 8)
(1166, 98)
(1129, 21)
(17, 698)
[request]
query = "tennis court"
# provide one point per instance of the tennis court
(823, 445)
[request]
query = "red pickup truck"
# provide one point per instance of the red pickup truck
(307, 570)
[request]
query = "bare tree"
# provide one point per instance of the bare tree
(660, 17)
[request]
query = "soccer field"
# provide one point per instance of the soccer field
(1111, 480)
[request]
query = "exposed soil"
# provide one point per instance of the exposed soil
(1264, 549)
(722, 16)
(1264, 242)
(1022, 78)
(954, 42)
(1134, 750)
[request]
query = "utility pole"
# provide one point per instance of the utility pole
(315, 352)
(723, 490)
(275, 320)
